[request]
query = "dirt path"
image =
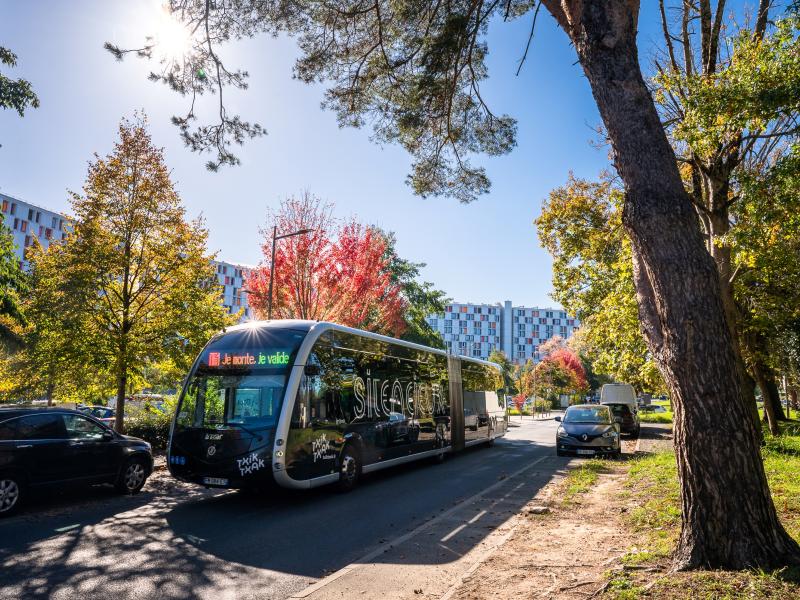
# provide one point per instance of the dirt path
(562, 554)
(567, 552)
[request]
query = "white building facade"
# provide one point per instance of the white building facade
(477, 329)
(28, 221)
(232, 277)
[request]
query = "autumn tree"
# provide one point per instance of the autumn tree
(413, 70)
(728, 97)
(581, 227)
(13, 285)
(133, 281)
(338, 271)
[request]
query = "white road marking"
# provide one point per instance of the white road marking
(367, 558)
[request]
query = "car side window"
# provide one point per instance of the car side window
(81, 428)
(41, 427)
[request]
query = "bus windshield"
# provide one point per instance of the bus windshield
(239, 380)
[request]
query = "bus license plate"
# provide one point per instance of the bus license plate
(587, 452)
(215, 481)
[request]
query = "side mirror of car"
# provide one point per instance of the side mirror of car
(108, 436)
(557, 419)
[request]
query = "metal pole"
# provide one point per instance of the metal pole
(272, 272)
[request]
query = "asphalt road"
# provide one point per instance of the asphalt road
(179, 541)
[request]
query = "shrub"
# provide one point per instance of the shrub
(152, 427)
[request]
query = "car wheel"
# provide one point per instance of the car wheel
(11, 494)
(349, 469)
(132, 476)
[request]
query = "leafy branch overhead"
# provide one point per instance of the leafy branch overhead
(200, 70)
(411, 69)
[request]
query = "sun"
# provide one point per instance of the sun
(171, 37)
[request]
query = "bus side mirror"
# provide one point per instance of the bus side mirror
(312, 370)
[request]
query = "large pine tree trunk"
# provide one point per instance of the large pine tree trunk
(729, 519)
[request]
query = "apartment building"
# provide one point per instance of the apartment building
(27, 222)
(477, 329)
(232, 276)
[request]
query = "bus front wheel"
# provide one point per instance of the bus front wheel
(349, 469)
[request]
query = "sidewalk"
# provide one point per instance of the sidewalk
(433, 560)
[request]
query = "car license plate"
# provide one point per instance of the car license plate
(587, 452)
(215, 481)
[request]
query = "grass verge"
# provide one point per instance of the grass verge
(665, 417)
(652, 486)
(580, 479)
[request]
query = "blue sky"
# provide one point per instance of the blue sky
(486, 251)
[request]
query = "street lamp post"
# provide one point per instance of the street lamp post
(275, 238)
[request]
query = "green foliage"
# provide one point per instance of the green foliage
(665, 417)
(411, 69)
(766, 246)
(16, 94)
(759, 84)
(152, 427)
(509, 380)
(13, 286)
(131, 285)
(581, 226)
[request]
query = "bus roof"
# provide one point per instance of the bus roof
(317, 328)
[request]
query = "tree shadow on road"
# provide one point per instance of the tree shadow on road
(178, 541)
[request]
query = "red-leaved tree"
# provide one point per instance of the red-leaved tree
(338, 272)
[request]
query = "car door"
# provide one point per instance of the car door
(94, 452)
(43, 449)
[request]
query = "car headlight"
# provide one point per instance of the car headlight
(610, 434)
(562, 433)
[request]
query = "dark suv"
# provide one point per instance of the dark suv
(51, 447)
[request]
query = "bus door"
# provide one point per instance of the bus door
(456, 403)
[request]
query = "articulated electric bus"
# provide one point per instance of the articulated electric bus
(307, 403)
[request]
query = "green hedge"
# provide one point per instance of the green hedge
(152, 427)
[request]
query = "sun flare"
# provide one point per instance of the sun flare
(171, 37)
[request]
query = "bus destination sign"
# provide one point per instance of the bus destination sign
(277, 358)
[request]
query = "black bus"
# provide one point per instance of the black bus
(307, 403)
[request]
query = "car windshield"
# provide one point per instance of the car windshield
(239, 380)
(587, 414)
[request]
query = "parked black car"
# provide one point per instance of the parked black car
(588, 430)
(44, 448)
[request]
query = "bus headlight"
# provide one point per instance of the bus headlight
(277, 466)
(279, 454)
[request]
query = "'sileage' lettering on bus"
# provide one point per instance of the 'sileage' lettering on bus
(381, 397)
(260, 359)
(250, 463)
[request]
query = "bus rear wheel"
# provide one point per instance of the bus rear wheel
(349, 469)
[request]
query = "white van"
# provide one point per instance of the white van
(618, 393)
(621, 399)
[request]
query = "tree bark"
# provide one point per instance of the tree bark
(729, 520)
(772, 395)
(793, 401)
(769, 408)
